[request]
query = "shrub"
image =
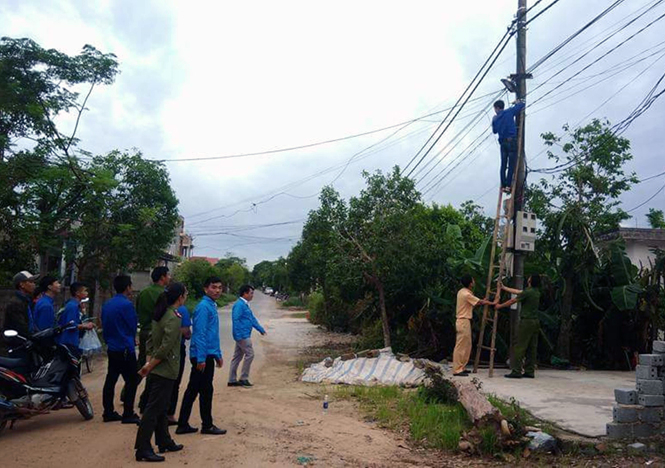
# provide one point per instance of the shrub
(316, 306)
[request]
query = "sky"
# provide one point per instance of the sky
(207, 79)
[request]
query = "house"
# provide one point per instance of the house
(639, 243)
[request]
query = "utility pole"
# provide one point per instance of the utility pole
(520, 78)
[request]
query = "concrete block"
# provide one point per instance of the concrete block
(646, 372)
(626, 413)
(651, 414)
(659, 347)
(625, 396)
(643, 430)
(651, 360)
(619, 431)
(651, 400)
(649, 387)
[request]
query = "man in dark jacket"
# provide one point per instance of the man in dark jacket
(18, 313)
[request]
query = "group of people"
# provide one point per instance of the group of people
(32, 309)
(523, 363)
(160, 324)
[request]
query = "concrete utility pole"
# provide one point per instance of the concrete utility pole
(520, 78)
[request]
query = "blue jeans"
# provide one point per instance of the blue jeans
(508, 161)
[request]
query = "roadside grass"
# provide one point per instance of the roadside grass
(434, 425)
(292, 302)
(518, 416)
(300, 315)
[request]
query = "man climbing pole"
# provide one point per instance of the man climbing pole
(503, 123)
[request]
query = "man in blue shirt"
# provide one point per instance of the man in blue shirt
(503, 124)
(186, 330)
(243, 323)
(44, 311)
(119, 325)
(204, 353)
(72, 313)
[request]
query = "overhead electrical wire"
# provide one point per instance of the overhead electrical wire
(471, 88)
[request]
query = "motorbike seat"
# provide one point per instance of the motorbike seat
(12, 363)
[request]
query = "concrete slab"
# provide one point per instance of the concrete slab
(578, 401)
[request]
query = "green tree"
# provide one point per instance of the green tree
(193, 274)
(234, 272)
(42, 181)
(578, 203)
(656, 218)
(127, 218)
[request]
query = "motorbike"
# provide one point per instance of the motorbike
(44, 376)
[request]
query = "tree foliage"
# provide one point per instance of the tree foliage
(578, 204)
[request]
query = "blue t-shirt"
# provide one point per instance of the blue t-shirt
(72, 313)
(503, 123)
(186, 319)
(44, 313)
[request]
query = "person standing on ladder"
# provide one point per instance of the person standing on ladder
(503, 123)
(466, 301)
(529, 328)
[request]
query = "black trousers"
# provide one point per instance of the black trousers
(154, 418)
(176, 386)
(120, 363)
(200, 384)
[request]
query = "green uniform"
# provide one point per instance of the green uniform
(165, 343)
(145, 308)
(527, 333)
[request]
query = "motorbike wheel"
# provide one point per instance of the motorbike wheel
(83, 403)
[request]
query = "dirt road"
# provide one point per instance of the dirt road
(275, 423)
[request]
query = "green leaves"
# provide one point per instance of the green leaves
(625, 297)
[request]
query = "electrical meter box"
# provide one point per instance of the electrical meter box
(525, 231)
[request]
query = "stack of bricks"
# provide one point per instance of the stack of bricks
(638, 413)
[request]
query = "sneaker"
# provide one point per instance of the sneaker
(131, 419)
(112, 417)
(513, 375)
(528, 376)
(214, 430)
(233, 384)
(245, 383)
(187, 429)
(461, 374)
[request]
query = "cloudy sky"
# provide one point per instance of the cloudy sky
(207, 79)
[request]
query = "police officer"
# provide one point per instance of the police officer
(528, 330)
(186, 330)
(145, 306)
(162, 372)
(119, 330)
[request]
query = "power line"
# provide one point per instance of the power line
(500, 48)
(305, 146)
(573, 36)
(501, 45)
(647, 200)
(541, 11)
